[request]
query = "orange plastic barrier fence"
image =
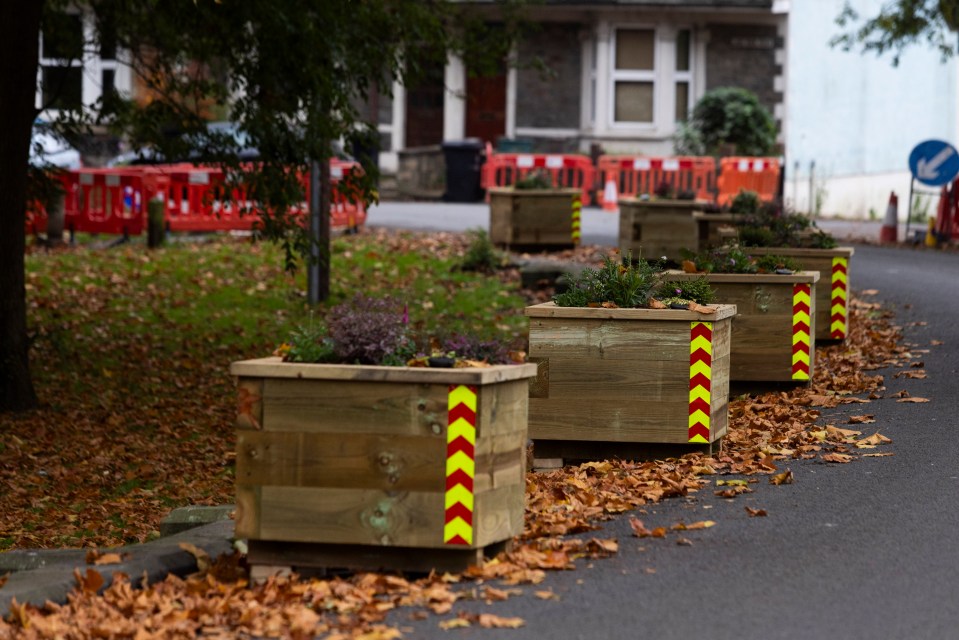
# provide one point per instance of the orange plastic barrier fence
(565, 170)
(637, 175)
(108, 201)
(36, 218)
(750, 174)
(198, 198)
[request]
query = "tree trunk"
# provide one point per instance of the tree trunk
(18, 77)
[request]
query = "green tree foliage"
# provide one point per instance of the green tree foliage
(292, 74)
(900, 24)
(724, 117)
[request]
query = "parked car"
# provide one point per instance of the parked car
(47, 148)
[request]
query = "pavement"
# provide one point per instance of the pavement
(37, 576)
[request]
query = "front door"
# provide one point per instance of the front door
(424, 110)
(486, 107)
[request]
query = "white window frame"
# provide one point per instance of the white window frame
(664, 77)
(633, 75)
(91, 65)
(72, 63)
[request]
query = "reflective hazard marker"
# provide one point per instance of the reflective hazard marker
(838, 314)
(577, 211)
(801, 338)
(460, 465)
(700, 380)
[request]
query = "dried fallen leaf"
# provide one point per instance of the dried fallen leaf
(546, 595)
(203, 562)
(840, 458)
(109, 558)
(639, 529)
(877, 455)
(684, 542)
(89, 582)
(454, 623)
(755, 513)
(913, 399)
(875, 439)
(786, 477)
(863, 419)
(656, 304)
(732, 483)
(489, 621)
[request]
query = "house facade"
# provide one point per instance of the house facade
(620, 77)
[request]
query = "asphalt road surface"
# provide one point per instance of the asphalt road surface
(864, 550)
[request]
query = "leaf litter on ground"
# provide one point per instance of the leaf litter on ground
(100, 467)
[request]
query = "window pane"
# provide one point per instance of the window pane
(108, 84)
(62, 87)
(634, 49)
(682, 50)
(63, 37)
(682, 101)
(634, 102)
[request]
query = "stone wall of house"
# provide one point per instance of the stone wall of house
(550, 99)
(421, 173)
(744, 56)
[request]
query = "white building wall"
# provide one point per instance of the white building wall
(856, 116)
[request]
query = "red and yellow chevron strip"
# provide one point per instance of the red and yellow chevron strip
(700, 380)
(460, 465)
(801, 340)
(577, 211)
(838, 314)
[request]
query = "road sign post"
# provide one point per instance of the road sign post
(934, 163)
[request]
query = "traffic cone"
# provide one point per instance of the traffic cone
(610, 196)
(890, 228)
(931, 240)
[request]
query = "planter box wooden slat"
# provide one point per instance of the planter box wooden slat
(832, 292)
(622, 375)
(534, 218)
(764, 327)
(342, 455)
(654, 228)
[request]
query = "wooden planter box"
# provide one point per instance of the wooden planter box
(534, 218)
(610, 378)
(715, 229)
(773, 333)
(349, 465)
(832, 294)
(654, 228)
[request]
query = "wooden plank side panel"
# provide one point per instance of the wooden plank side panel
(357, 460)
(247, 511)
(499, 514)
(608, 339)
(407, 519)
(335, 406)
(761, 348)
(352, 516)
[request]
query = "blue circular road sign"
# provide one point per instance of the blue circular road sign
(934, 162)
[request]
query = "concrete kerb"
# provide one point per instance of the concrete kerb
(38, 576)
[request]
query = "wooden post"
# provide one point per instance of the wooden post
(155, 223)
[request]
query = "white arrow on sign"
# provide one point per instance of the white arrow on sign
(929, 170)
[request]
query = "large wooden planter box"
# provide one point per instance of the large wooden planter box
(614, 377)
(534, 218)
(654, 228)
(832, 294)
(773, 333)
(370, 467)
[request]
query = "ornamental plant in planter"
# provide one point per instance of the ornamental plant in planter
(663, 225)
(359, 447)
(796, 236)
(773, 334)
(620, 370)
(533, 214)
